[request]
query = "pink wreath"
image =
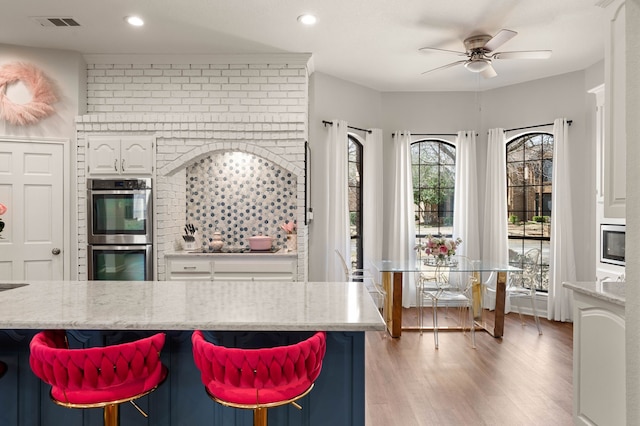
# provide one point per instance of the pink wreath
(42, 94)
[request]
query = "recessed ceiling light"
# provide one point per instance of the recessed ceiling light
(136, 21)
(307, 19)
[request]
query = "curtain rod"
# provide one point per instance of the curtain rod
(536, 125)
(430, 134)
(351, 127)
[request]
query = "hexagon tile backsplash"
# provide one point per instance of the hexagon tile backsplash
(241, 195)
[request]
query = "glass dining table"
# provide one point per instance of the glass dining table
(392, 281)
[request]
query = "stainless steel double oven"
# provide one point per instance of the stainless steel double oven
(120, 229)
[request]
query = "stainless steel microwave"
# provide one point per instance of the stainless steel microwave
(612, 244)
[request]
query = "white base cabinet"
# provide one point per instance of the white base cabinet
(598, 362)
(231, 267)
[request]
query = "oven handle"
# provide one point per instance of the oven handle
(145, 247)
(119, 191)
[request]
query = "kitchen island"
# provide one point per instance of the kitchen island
(98, 313)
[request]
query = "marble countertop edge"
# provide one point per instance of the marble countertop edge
(189, 305)
(609, 291)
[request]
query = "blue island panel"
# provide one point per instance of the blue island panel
(337, 398)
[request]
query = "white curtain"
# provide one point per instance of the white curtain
(402, 236)
(495, 245)
(465, 210)
(372, 198)
(337, 198)
(562, 264)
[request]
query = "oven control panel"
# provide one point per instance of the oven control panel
(118, 184)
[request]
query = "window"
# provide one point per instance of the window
(433, 164)
(529, 188)
(355, 201)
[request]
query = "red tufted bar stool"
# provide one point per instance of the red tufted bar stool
(98, 377)
(258, 379)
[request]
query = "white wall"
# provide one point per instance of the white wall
(331, 98)
(447, 112)
(632, 314)
(539, 102)
(194, 109)
(67, 72)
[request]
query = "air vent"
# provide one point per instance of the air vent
(56, 22)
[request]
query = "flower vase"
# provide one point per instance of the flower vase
(292, 242)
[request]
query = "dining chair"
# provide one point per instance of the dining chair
(352, 274)
(444, 288)
(522, 285)
(365, 275)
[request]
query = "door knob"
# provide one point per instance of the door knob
(55, 251)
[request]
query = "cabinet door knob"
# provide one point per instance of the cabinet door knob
(122, 165)
(55, 251)
(115, 164)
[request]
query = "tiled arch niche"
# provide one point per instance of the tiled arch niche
(184, 140)
(239, 189)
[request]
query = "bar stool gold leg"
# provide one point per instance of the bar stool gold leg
(259, 416)
(111, 415)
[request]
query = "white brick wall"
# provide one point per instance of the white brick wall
(194, 109)
(198, 88)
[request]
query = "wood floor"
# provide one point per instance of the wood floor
(521, 379)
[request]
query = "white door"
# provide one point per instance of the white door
(32, 188)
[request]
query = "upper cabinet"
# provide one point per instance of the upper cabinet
(120, 155)
(615, 136)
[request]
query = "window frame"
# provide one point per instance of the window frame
(422, 233)
(544, 192)
(359, 238)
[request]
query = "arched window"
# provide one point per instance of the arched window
(433, 164)
(529, 186)
(355, 200)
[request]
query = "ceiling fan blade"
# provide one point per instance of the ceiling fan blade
(435, 49)
(489, 72)
(452, 64)
(499, 39)
(523, 54)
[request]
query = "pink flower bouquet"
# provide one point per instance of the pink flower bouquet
(3, 210)
(439, 248)
(289, 227)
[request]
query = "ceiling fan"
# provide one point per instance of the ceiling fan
(479, 50)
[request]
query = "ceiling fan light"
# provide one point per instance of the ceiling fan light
(477, 65)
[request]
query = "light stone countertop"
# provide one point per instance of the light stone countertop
(210, 254)
(610, 291)
(189, 305)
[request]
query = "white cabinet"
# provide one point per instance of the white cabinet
(615, 137)
(120, 155)
(238, 269)
(598, 362)
(184, 268)
(231, 267)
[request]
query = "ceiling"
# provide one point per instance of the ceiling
(370, 42)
